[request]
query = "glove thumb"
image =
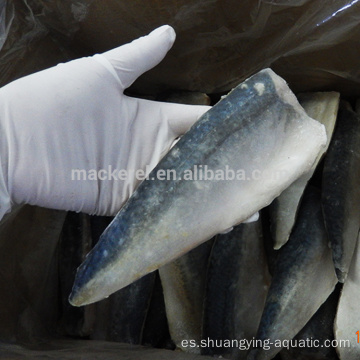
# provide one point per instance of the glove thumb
(133, 59)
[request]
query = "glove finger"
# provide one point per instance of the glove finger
(182, 117)
(133, 59)
(176, 118)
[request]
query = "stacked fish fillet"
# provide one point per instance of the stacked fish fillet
(299, 166)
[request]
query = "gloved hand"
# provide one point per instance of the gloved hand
(75, 116)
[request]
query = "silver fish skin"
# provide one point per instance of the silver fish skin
(237, 284)
(258, 128)
(341, 190)
(183, 281)
(303, 279)
(122, 316)
(323, 107)
(347, 319)
(319, 329)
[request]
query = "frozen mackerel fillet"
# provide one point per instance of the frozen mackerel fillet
(341, 191)
(259, 131)
(303, 279)
(319, 328)
(236, 288)
(183, 282)
(321, 106)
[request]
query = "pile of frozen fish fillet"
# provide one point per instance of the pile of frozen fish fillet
(292, 274)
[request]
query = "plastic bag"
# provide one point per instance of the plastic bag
(219, 43)
(313, 45)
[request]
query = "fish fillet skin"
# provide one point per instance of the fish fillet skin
(340, 189)
(303, 279)
(259, 131)
(183, 281)
(234, 301)
(347, 318)
(323, 107)
(319, 329)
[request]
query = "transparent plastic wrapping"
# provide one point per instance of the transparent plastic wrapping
(313, 45)
(27, 45)
(219, 43)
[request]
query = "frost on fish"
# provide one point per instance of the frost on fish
(183, 282)
(340, 189)
(323, 107)
(267, 135)
(303, 279)
(347, 319)
(237, 284)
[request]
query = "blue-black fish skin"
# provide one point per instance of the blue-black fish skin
(320, 328)
(237, 284)
(303, 279)
(341, 190)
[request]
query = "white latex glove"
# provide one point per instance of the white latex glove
(75, 116)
